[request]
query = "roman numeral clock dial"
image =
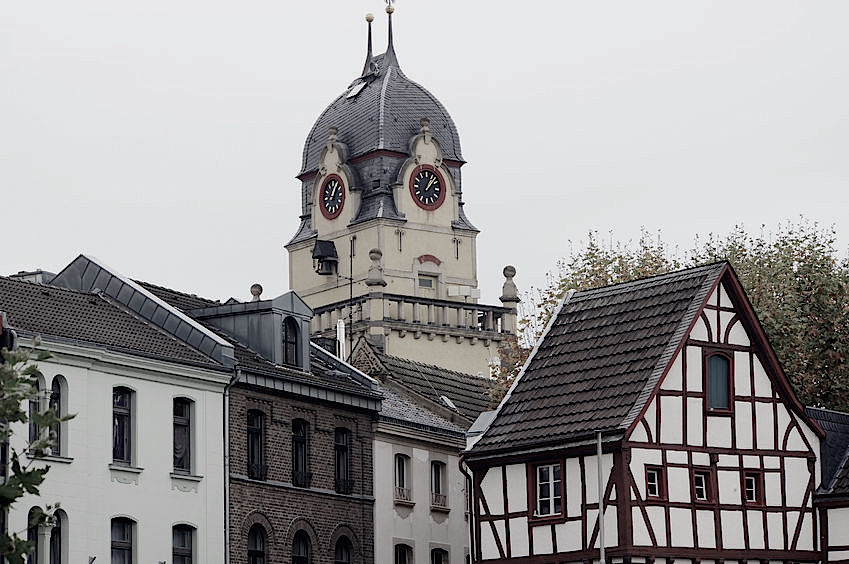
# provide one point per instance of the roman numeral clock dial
(427, 187)
(332, 196)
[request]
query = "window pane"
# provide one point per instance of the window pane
(718, 384)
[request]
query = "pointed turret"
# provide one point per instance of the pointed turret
(389, 59)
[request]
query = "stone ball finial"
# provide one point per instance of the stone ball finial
(375, 271)
(369, 17)
(389, 8)
(256, 292)
(509, 292)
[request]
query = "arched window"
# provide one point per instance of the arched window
(438, 556)
(342, 552)
(34, 409)
(402, 478)
(256, 439)
(183, 435)
(122, 430)
(183, 543)
(301, 548)
(301, 476)
(58, 538)
(344, 484)
(403, 554)
(256, 545)
(57, 406)
(718, 383)
(290, 342)
(32, 534)
(122, 540)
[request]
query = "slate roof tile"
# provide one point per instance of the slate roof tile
(597, 360)
(51, 311)
(834, 449)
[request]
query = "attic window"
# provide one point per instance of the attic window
(290, 342)
(355, 89)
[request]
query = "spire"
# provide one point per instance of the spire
(390, 59)
(368, 66)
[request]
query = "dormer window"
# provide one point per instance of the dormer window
(718, 383)
(290, 342)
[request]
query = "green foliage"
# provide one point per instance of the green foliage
(794, 278)
(17, 387)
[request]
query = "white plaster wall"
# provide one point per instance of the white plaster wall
(678, 484)
(492, 489)
(542, 540)
(742, 374)
(729, 487)
(657, 519)
(743, 411)
(765, 428)
(681, 527)
(763, 386)
(87, 489)
(695, 422)
(719, 431)
(417, 523)
(694, 369)
(706, 529)
(755, 521)
(568, 536)
(796, 478)
(732, 529)
(519, 536)
(571, 485)
(838, 526)
(674, 377)
(517, 488)
(671, 416)
(775, 526)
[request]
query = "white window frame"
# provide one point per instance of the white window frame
(552, 497)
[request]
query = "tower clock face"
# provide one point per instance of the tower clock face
(427, 187)
(332, 196)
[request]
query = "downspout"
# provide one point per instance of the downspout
(600, 498)
(226, 427)
(470, 499)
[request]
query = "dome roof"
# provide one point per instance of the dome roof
(381, 110)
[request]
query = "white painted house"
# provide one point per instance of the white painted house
(138, 473)
(707, 455)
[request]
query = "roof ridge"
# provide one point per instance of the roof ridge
(47, 286)
(615, 287)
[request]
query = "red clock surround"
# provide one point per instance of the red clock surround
(444, 188)
(322, 204)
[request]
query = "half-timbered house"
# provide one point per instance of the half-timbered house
(706, 453)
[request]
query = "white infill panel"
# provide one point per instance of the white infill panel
(707, 531)
(681, 526)
(775, 526)
(724, 300)
(694, 369)
(743, 428)
(695, 422)
(729, 487)
(732, 529)
(796, 476)
(725, 318)
(738, 335)
(806, 537)
(713, 300)
(650, 417)
(568, 536)
(751, 461)
(742, 374)
(772, 489)
(542, 539)
(676, 456)
(838, 530)
(755, 520)
(572, 484)
(671, 414)
(592, 521)
(591, 479)
(492, 488)
(765, 426)
(763, 387)
(519, 536)
(674, 377)
(639, 435)
(794, 440)
(700, 331)
(782, 422)
(714, 330)
(641, 531)
(657, 520)
(489, 547)
(792, 520)
(719, 432)
(678, 484)
(517, 488)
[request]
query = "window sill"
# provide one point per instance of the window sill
(123, 468)
(552, 518)
(720, 412)
(405, 503)
(188, 477)
(440, 508)
(55, 458)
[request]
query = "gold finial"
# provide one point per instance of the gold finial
(389, 7)
(369, 18)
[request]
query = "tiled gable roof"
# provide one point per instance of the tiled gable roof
(834, 449)
(599, 361)
(87, 318)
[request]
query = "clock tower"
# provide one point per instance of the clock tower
(384, 244)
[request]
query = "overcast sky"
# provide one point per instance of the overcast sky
(163, 137)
